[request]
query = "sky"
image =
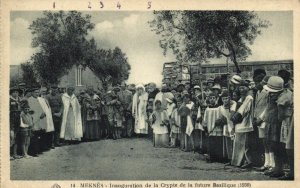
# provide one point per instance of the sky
(131, 32)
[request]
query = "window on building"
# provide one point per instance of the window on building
(79, 75)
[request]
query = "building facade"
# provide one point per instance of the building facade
(78, 76)
(195, 73)
(174, 73)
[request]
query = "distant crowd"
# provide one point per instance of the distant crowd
(246, 123)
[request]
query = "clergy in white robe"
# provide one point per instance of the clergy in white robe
(42, 117)
(139, 106)
(71, 128)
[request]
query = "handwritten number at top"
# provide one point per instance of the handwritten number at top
(54, 5)
(119, 5)
(101, 4)
(90, 5)
(149, 5)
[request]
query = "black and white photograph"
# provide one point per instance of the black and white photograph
(151, 95)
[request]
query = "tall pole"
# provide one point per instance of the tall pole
(200, 80)
(227, 62)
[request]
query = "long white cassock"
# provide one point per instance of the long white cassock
(71, 127)
(47, 110)
(139, 105)
(39, 105)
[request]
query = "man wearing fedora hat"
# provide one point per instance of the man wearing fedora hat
(273, 125)
(14, 119)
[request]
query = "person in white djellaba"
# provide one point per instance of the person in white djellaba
(139, 106)
(71, 127)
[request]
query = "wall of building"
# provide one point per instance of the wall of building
(88, 78)
(206, 71)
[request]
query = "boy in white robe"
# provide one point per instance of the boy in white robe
(214, 131)
(226, 111)
(175, 124)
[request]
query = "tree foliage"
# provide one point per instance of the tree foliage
(28, 76)
(109, 65)
(62, 40)
(196, 36)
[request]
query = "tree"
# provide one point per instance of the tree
(61, 38)
(109, 64)
(196, 36)
(28, 74)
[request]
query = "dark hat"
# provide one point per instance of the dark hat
(13, 89)
(184, 111)
(213, 94)
(225, 93)
(180, 84)
(117, 89)
(265, 80)
(24, 104)
(285, 75)
(217, 80)
(259, 72)
(244, 83)
(54, 86)
(157, 101)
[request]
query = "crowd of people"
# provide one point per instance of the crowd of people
(246, 123)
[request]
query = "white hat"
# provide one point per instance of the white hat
(236, 79)
(169, 100)
(197, 87)
(275, 84)
(140, 86)
(217, 86)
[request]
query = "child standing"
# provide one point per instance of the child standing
(226, 111)
(25, 129)
(186, 124)
(159, 120)
(214, 131)
(175, 124)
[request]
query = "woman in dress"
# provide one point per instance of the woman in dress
(139, 110)
(92, 126)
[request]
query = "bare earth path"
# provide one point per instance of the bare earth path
(124, 159)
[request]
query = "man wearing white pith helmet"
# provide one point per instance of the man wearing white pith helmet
(273, 125)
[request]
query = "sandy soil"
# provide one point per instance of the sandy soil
(124, 159)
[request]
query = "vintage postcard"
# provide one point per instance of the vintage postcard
(149, 93)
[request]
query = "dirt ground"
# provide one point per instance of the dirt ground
(124, 159)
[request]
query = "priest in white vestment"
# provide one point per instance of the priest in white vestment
(71, 127)
(42, 117)
(139, 105)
